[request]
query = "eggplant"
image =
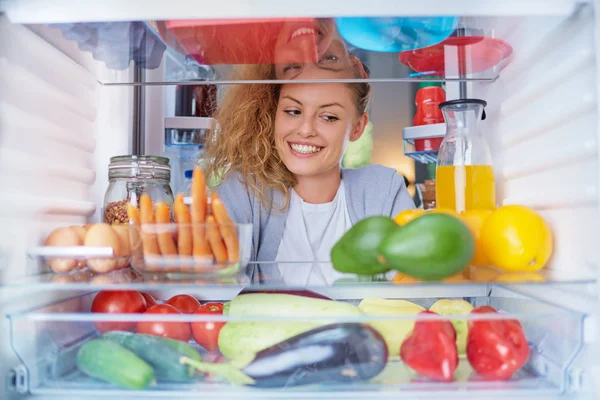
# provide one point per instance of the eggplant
(338, 353)
(303, 293)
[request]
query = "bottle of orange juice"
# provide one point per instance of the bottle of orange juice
(464, 175)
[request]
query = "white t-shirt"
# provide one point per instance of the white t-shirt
(310, 232)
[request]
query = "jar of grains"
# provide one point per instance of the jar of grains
(128, 178)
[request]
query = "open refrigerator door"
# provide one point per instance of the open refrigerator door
(81, 85)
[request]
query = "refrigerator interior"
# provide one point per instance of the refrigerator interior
(64, 113)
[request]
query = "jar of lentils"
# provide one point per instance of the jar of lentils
(131, 176)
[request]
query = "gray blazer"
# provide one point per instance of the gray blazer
(371, 190)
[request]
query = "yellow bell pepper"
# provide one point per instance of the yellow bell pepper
(455, 307)
(393, 331)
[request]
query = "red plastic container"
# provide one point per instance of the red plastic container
(430, 144)
(484, 53)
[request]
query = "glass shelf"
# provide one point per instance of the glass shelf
(302, 49)
(270, 275)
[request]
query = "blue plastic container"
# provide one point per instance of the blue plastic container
(395, 34)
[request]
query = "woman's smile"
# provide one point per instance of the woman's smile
(304, 149)
(303, 31)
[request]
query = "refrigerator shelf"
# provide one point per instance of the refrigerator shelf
(271, 275)
(201, 52)
(428, 137)
(47, 339)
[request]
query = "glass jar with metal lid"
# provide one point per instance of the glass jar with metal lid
(129, 177)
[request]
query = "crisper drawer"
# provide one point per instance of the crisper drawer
(345, 349)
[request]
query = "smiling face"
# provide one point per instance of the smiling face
(313, 125)
(307, 46)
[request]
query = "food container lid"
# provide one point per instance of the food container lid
(139, 166)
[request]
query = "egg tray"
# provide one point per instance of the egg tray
(81, 254)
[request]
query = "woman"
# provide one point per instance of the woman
(282, 146)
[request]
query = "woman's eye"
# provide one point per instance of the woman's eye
(328, 59)
(292, 112)
(330, 118)
(291, 67)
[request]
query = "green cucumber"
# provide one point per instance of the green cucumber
(181, 347)
(161, 353)
(110, 362)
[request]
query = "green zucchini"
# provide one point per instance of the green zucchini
(110, 362)
(243, 339)
(159, 352)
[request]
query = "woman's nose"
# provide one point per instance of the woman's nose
(307, 129)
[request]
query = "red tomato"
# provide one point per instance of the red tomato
(150, 301)
(117, 302)
(184, 303)
(496, 348)
(174, 330)
(206, 334)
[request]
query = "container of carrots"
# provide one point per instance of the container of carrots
(202, 239)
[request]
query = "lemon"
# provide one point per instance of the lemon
(484, 274)
(474, 220)
(447, 211)
(520, 277)
(401, 279)
(404, 217)
(516, 238)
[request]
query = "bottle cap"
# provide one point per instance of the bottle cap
(427, 84)
(188, 174)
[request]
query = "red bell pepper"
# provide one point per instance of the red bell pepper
(430, 349)
(206, 334)
(496, 348)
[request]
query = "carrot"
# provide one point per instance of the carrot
(199, 201)
(133, 213)
(201, 248)
(227, 227)
(134, 219)
(165, 239)
(214, 238)
(182, 215)
(147, 222)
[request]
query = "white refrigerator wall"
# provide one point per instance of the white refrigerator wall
(58, 128)
(542, 125)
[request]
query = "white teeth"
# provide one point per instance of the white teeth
(304, 149)
(303, 31)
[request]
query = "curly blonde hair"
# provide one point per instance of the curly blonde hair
(244, 141)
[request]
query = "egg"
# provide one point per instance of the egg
(123, 232)
(63, 237)
(81, 232)
(110, 279)
(103, 235)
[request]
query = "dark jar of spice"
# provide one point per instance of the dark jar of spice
(129, 177)
(429, 195)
